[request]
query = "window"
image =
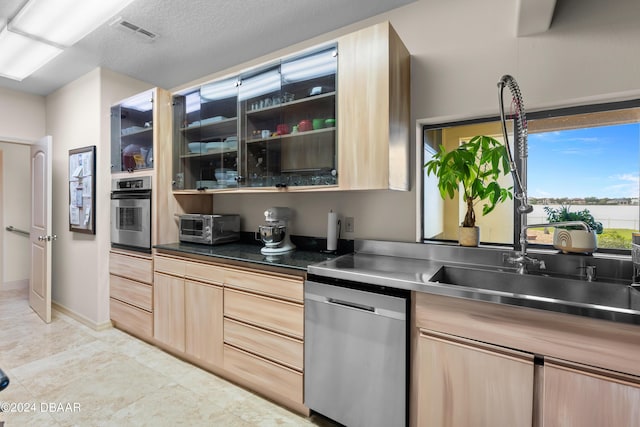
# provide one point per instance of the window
(581, 157)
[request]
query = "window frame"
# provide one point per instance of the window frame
(531, 115)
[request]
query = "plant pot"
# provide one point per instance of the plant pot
(577, 241)
(468, 236)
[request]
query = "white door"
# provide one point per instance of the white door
(41, 236)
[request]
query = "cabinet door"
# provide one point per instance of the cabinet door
(578, 398)
(374, 114)
(168, 311)
(461, 385)
(204, 323)
(206, 137)
(132, 133)
(290, 127)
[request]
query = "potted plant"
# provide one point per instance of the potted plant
(574, 238)
(473, 169)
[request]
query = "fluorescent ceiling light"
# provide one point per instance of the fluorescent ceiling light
(20, 56)
(64, 22)
(260, 84)
(220, 90)
(192, 102)
(141, 102)
(310, 67)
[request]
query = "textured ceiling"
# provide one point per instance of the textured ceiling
(195, 37)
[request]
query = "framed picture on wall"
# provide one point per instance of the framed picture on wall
(82, 190)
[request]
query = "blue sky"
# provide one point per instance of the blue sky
(589, 162)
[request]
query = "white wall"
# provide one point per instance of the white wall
(22, 120)
(460, 49)
(22, 116)
(78, 116)
(16, 205)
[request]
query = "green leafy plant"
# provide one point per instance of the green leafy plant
(476, 165)
(564, 214)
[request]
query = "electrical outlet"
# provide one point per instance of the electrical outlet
(348, 224)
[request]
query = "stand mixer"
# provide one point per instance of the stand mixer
(274, 235)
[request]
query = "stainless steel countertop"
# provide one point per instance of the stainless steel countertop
(414, 274)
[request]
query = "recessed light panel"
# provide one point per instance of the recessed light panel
(20, 56)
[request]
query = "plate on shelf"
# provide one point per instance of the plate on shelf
(130, 130)
(212, 120)
(207, 121)
(196, 147)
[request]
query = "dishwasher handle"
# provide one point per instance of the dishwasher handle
(351, 304)
(378, 311)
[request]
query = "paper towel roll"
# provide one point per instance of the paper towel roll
(332, 231)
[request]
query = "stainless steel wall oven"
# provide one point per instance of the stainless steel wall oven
(131, 213)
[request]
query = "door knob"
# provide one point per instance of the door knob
(42, 238)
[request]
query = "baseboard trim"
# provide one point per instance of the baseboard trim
(80, 318)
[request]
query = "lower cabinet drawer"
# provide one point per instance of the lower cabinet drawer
(135, 293)
(168, 265)
(272, 377)
(285, 350)
(138, 322)
(134, 267)
(280, 316)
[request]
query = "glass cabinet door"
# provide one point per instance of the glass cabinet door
(260, 99)
(206, 139)
(132, 133)
(289, 122)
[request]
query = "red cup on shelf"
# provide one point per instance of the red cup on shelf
(282, 129)
(305, 126)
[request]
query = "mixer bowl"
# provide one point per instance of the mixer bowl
(272, 235)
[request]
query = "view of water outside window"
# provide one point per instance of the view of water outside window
(595, 168)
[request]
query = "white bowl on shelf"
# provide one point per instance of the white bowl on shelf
(195, 147)
(212, 146)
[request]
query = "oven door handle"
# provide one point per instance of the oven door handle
(131, 195)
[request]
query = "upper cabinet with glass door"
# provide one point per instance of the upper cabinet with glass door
(289, 122)
(132, 133)
(334, 117)
(206, 137)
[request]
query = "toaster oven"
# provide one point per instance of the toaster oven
(209, 229)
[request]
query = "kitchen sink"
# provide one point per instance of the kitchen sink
(544, 288)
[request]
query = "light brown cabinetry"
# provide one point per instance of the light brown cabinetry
(587, 374)
(131, 293)
(263, 333)
(203, 328)
(373, 110)
(464, 384)
(336, 116)
(168, 304)
(244, 324)
(188, 312)
(579, 396)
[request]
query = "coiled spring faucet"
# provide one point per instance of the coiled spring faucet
(519, 176)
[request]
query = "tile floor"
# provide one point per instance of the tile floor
(66, 374)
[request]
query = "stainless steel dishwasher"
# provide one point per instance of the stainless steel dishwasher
(355, 354)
